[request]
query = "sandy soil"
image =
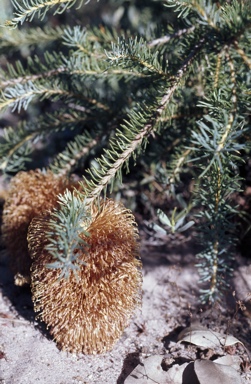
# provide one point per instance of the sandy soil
(170, 302)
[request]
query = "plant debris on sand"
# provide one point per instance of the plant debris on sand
(169, 305)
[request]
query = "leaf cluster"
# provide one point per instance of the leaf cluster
(66, 225)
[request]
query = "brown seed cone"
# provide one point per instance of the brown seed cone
(89, 314)
(30, 193)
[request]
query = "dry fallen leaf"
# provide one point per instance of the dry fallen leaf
(204, 337)
(176, 372)
(204, 372)
(233, 360)
(209, 372)
(150, 371)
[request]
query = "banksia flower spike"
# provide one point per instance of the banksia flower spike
(87, 313)
(30, 193)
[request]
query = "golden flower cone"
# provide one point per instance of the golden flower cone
(30, 193)
(88, 314)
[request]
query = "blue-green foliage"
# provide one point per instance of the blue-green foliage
(65, 226)
(164, 84)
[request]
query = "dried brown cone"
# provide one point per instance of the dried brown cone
(30, 193)
(89, 314)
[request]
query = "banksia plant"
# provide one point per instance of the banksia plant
(88, 309)
(161, 84)
(30, 193)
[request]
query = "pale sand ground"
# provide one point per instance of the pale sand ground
(28, 355)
